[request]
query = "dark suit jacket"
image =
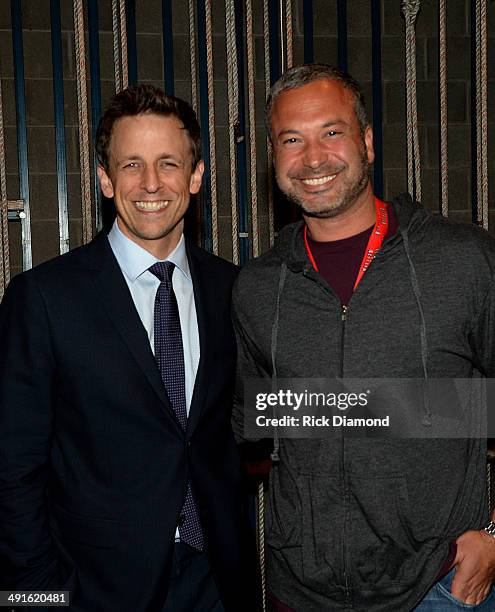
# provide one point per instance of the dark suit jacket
(93, 462)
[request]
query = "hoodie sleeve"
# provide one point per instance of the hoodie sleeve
(482, 336)
(249, 365)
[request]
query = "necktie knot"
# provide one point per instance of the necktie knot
(163, 270)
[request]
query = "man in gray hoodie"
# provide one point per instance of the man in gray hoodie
(366, 289)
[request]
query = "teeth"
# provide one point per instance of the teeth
(152, 205)
(319, 181)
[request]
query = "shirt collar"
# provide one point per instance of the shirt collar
(134, 260)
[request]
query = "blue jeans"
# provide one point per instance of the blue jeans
(440, 599)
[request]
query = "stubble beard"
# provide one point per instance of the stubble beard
(331, 206)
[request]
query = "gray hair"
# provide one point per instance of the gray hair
(308, 73)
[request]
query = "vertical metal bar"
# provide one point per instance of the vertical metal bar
(241, 137)
(94, 61)
(376, 61)
(22, 148)
(308, 31)
(342, 33)
(204, 119)
(58, 98)
(130, 21)
(474, 110)
(168, 46)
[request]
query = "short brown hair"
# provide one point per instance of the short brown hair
(141, 99)
(298, 76)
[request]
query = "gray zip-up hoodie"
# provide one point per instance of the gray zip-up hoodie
(362, 523)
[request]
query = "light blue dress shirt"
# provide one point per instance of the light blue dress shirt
(134, 262)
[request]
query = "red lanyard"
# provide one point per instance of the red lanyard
(374, 243)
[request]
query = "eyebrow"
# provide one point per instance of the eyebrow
(327, 124)
(130, 157)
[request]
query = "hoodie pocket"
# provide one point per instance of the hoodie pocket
(322, 525)
(282, 524)
(383, 539)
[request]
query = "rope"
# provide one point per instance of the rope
(479, 193)
(261, 541)
(269, 152)
(281, 36)
(192, 50)
(410, 9)
(211, 127)
(4, 211)
(288, 28)
(269, 161)
(233, 106)
(116, 45)
(489, 484)
(442, 69)
(82, 111)
(481, 115)
(123, 45)
(251, 72)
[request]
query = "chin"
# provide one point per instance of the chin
(324, 211)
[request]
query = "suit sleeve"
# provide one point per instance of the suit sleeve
(28, 556)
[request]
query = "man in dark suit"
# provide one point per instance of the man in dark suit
(119, 476)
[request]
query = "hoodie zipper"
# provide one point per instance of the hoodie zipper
(344, 313)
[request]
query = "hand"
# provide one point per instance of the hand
(475, 567)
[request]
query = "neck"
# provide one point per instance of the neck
(160, 247)
(359, 217)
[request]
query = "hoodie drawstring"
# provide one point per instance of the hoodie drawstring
(424, 340)
(274, 340)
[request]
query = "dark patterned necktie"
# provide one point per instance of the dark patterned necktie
(169, 355)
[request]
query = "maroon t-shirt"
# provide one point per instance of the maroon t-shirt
(338, 261)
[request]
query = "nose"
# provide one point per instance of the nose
(151, 181)
(314, 155)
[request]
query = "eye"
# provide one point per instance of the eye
(131, 165)
(291, 141)
(332, 133)
(169, 164)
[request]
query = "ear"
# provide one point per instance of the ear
(105, 182)
(368, 143)
(196, 177)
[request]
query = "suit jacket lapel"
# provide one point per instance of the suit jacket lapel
(204, 300)
(112, 291)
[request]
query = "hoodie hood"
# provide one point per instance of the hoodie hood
(290, 247)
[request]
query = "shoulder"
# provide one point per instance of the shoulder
(211, 262)
(258, 278)
(64, 270)
(470, 246)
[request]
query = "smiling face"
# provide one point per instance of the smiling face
(321, 157)
(150, 178)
